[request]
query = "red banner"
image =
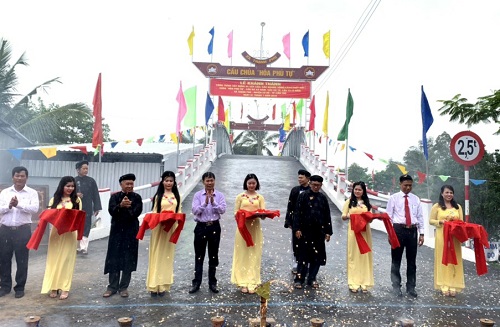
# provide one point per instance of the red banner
(260, 89)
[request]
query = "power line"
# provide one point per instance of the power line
(349, 42)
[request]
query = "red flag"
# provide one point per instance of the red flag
(294, 112)
(421, 177)
(273, 116)
(221, 115)
(312, 107)
(97, 138)
(82, 148)
(368, 155)
(241, 116)
(139, 141)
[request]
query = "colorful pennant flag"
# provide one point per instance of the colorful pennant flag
(191, 42)
(325, 117)
(211, 44)
(182, 108)
(209, 108)
(286, 126)
(16, 153)
(230, 45)
(477, 181)
(305, 44)
(49, 152)
(326, 44)
(97, 136)
(312, 107)
(286, 45)
(82, 148)
(283, 111)
(443, 177)
(344, 132)
(427, 121)
(300, 105)
(403, 169)
(173, 137)
(368, 155)
(421, 177)
(190, 118)
(221, 115)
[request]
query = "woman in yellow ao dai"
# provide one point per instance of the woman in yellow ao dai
(448, 279)
(359, 266)
(161, 251)
(61, 252)
(245, 272)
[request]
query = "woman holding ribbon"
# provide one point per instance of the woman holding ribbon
(449, 279)
(359, 266)
(161, 250)
(245, 272)
(61, 252)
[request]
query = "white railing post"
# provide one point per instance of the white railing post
(181, 178)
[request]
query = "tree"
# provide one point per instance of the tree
(71, 123)
(485, 110)
(358, 173)
(255, 142)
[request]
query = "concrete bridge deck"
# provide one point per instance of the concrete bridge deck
(332, 301)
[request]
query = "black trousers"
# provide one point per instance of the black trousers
(116, 284)
(13, 241)
(408, 240)
(309, 269)
(206, 236)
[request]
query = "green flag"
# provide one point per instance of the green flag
(190, 118)
(344, 132)
(283, 111)
(300, 105)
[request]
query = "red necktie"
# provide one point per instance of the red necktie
(407, 212)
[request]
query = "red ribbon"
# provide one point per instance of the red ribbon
(359, 222)
(462, 231)
(243, 215)
(167, 219)
(65, 220)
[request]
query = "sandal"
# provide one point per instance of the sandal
(353, 290)
(298, 286)
(453, 293)
(251, 291)
(244, 290)
(64, 295)
(315, 285)
(53, 294)
(364, 290)
(446, 293)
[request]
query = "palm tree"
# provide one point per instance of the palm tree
(255, 142)
(37, 125)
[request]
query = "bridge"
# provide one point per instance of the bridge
(332, 302)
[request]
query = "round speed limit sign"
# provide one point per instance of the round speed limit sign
(467, 148)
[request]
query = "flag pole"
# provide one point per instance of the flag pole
(346, 153)
(177, 153)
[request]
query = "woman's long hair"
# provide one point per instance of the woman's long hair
(353, 202)
(441, 199)
(161, 189)
(58, 195)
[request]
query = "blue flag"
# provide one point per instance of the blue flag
(305, 44)
(211, 44)
(282, 134)
(427, 121)
(209, 108)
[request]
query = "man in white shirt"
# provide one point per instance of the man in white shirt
(17, 204)
(405, 211)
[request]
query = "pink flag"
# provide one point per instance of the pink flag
(182, 109)
(286, 45)
(97, 135)
(230, 45)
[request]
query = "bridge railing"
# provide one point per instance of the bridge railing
(187, 177)
(338, 189)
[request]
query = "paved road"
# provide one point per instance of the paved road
(332, 302)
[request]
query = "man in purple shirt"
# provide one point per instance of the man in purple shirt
(208, 206)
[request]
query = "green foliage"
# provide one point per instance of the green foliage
(255, 143)
(485, 110)
(357, 173)
(53, 124)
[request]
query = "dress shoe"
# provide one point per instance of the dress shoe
(194, 289)
(124, 293)
(19, 294)
(213, 288)
(161, 294)
(397, 291)
(411, 293)
(3, 292)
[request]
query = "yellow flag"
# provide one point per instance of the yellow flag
(403, 169)
(325, 117)
(226, 120)
(326, 44)
(173, 136)
(190, 42)
(286, 125)
(49, 152)
(342, 147)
